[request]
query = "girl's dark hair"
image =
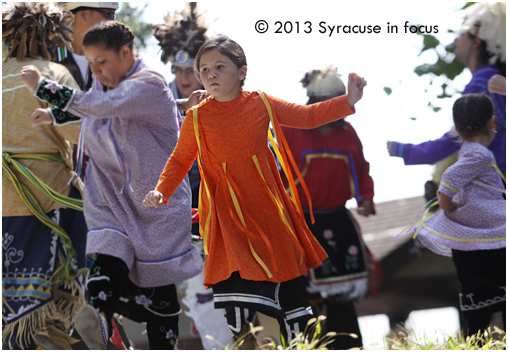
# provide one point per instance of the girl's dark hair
(111, 35)
(226, 47)
(471, 114)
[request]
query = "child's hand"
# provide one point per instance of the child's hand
(41, 117)
(30, 75)
(153, 199)
(364, 208)
(355, 87)
(389, 146)
(195, 98)
(497, 84)
(445, 202)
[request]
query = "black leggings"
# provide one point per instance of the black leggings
(286, 301)
(111, 291)
(482, 274)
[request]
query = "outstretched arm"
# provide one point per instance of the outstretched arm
(176, 167)
(315, 115)
(429, 152)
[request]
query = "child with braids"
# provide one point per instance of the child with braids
(129, 128)
(472, 226)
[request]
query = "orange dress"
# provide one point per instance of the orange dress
(249, 222)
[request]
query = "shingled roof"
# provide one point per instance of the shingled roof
(379, 231)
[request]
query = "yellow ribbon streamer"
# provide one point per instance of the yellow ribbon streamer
(285, 152)
(204, 230)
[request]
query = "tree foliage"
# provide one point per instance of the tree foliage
(131, 16)
(446, 64)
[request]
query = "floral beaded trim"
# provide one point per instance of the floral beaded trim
(54, 93)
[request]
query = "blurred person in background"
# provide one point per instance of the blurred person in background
(331, 161)
(86, 14)
(481, 46)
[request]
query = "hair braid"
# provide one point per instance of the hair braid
(111, 35)
(471, 114)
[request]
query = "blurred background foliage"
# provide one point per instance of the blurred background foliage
(446, 65)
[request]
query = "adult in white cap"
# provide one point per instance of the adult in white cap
(86, 14)
(481, 46)
(333, 166)
(43, 239)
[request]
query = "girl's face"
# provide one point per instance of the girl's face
(220, 76)
(108, 66)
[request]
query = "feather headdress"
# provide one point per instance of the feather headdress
(487, 20)
(323, 83)
(35, 28)
(182, 35)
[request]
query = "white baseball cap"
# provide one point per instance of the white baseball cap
(98, 5)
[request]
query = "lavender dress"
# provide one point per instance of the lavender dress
(479, 223)
(129, 133)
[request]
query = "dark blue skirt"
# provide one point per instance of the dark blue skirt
(30, 255)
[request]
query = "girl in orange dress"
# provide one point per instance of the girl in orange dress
(256, 240)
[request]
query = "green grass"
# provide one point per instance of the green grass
(493, 339)
(311, 339)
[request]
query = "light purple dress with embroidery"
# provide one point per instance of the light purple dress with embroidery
(479, 223)
(129, 133)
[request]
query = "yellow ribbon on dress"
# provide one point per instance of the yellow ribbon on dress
(204, 230)
(243, 227)
(281, 210)
(421, 223)
(283, 153)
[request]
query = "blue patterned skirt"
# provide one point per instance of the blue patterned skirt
(31, 253)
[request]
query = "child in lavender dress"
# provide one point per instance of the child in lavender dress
(472, 226)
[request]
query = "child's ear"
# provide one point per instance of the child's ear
(456, 130)
(125, 51)
(492, 122)
(243, 72)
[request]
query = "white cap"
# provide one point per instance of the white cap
(325, 83)
(487, 20)
(98, 5)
